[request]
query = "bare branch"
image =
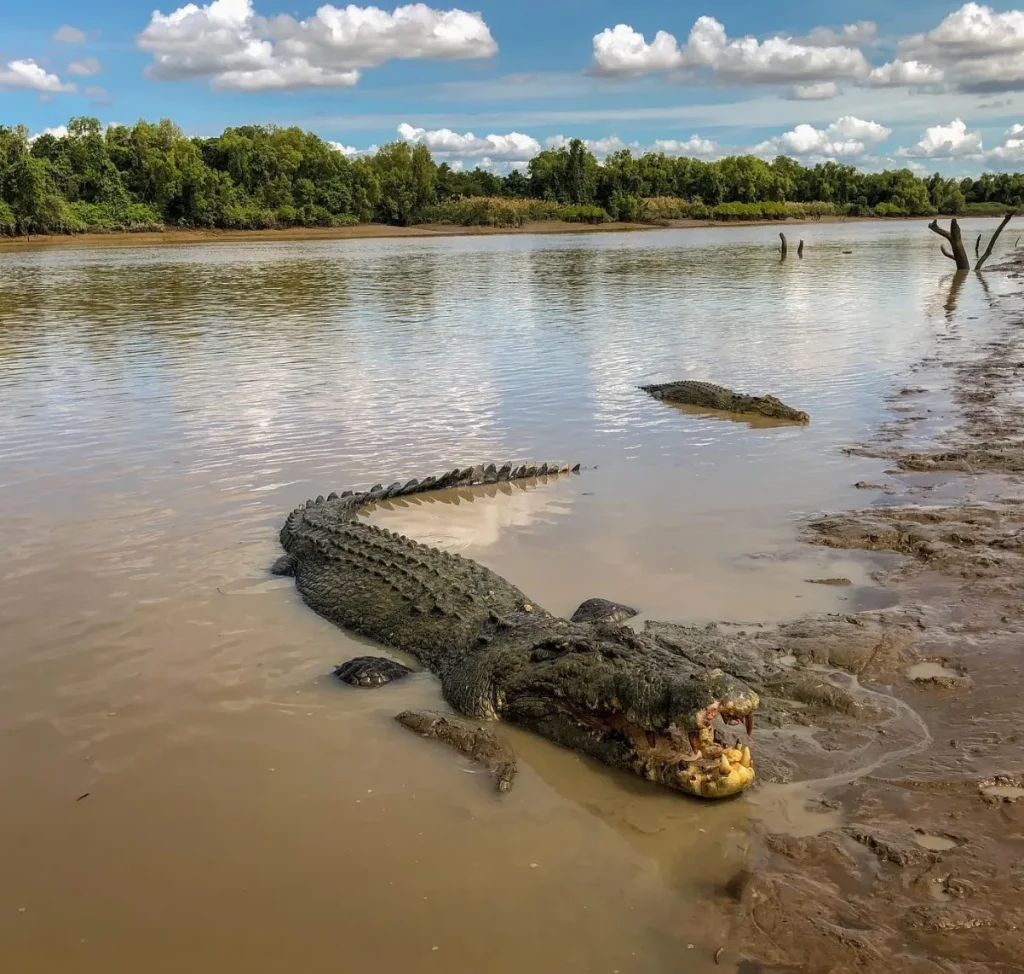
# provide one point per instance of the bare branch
(946, 253)
(992, 242)
(785, 248)
(935, 228)
(977, 245)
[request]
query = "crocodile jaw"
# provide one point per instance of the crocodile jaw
(699, 763)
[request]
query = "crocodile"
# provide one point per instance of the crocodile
(711, 396)
(588, 683)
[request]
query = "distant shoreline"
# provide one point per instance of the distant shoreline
(378, 231)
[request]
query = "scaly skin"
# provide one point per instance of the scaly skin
(593, 686)
(711, 396)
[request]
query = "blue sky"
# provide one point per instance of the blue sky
(932, 85)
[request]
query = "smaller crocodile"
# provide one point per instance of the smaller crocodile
(710, 396)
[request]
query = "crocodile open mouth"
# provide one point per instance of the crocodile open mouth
(707, 761)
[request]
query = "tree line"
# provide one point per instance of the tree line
(152, 176)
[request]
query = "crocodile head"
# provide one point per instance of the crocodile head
(623, 699)
(777, 409)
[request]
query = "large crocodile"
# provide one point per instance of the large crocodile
(586, 683)
(689, 393)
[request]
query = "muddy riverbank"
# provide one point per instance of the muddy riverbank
(376, 231)
(918, 865)
(187, 787)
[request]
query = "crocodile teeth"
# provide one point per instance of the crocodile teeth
(725, 767)
(749, 721)
(745, 760)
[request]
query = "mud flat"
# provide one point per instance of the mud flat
(907, 854)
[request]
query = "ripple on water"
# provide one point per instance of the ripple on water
(164, 407)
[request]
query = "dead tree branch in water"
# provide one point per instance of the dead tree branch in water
(785, 248)
(992, 242)
(956, 242)
(977, 245)
(800, 250)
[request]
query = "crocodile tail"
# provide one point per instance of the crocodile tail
(490, 473)
(479, 474)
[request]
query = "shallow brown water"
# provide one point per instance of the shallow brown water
(164, 409)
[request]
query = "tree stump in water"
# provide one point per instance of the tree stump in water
(956, 242)
(800, 250)
(782, 236)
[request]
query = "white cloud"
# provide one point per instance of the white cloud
(601, 148)
(821, 91)
(977, 49)
(847, 137)
(86, 67)
(58, 132)
(68, 35)
(899, 74)
(952, 141)
(227, 41)
(345, 150)
(622, 51)
(28, 74)
(973, 50)
(863, 32)
(1010, 153)
(446, 144)
(693, 146)
(972, 31)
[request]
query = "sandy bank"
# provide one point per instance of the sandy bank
(377, 231)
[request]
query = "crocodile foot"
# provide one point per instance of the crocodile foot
(284, 566)
(370, 671)
(478, 743)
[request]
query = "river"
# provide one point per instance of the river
(185, 786)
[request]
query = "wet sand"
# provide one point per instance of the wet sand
(918, 866)
(376, 231)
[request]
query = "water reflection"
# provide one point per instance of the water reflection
(165, 407)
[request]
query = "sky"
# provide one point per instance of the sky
(929, 85)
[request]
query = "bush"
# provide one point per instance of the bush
(889, 209)
(344, 220)
(583, 213)
(624, 207)
(984, 209)
(121, 217)
(491, 211)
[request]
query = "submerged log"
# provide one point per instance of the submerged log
(956, 242)
(995, 236)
